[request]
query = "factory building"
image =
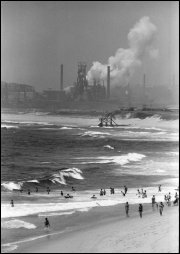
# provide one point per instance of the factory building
(82, 90)
(13, 93)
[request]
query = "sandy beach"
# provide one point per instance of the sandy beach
(152, 233)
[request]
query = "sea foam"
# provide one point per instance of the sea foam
(17, 224)
(9, 126)
(121, 160)
(12, 185)
(69, 206)
(95, 134)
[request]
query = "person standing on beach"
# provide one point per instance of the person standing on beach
(29, 192)
(12, 203)
(104, 192)
(140, 210)
(159, 188)
(161, 208)
(139, 194)
(127, 209)
(153, 201)
(157, 205)
(62, 193)
(101, 192)
(48, 190)
(169, 199)
(125, 189)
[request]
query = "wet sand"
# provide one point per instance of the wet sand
(112, 234)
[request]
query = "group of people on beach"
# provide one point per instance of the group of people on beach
(36, 190)
(142, 193)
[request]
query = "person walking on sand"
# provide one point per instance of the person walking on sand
(62, 193)
(127, 209)
(12, 203)
(140, 210)
(159, 188)
(104, 192)
(46, 223)
(161, 208)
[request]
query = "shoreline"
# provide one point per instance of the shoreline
(113, 232)
(136, 112)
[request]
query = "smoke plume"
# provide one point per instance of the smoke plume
(125, 61)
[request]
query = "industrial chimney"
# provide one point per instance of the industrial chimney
(144, 91)
(108, 82)
(61, 84)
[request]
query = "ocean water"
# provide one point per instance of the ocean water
(42, 150)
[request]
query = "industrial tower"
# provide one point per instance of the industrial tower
(81, 79)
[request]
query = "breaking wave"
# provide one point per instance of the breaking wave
(69, 172)
(66, 128)
(33, 181)
(59, 177)
(120, 160)
(109, 147)
(95, 134)
(8, 126)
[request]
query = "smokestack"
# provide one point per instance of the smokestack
(144, 81)
(144, 91)
(108, 82)
(61, 85)
(129, 96)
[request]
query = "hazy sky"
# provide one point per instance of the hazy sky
(36, 37)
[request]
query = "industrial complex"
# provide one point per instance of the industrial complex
(97, 93)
